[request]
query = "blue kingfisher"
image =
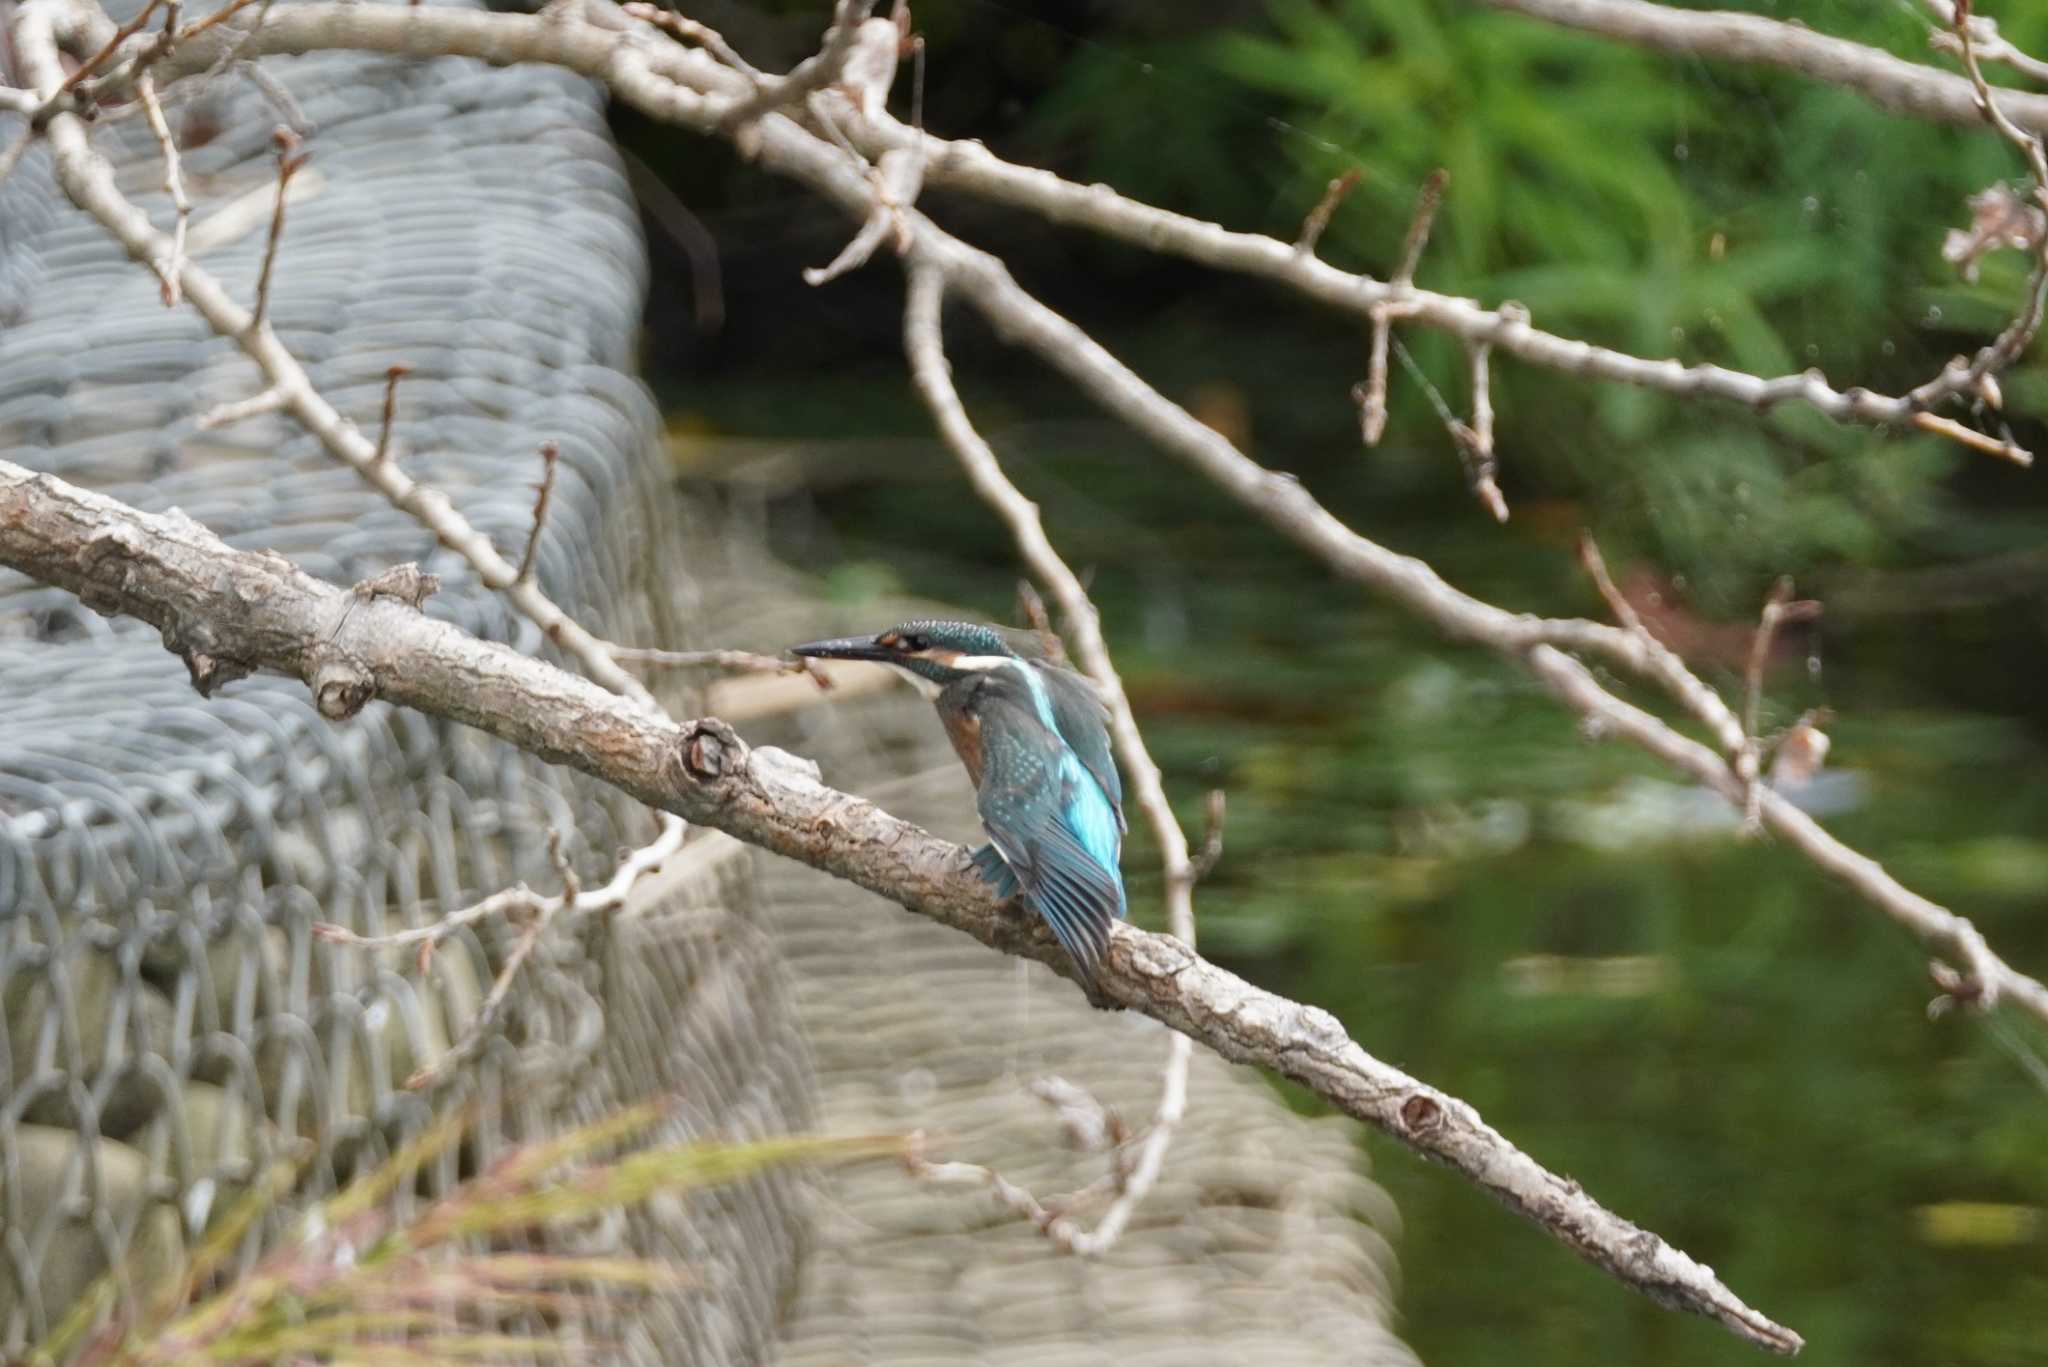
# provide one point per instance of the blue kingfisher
(1035, 741)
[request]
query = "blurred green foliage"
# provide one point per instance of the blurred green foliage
(1667, 207)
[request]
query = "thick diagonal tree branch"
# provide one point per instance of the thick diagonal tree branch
(257, 611)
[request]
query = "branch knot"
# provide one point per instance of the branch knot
(341, 682)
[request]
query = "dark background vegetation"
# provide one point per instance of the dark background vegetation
(1716, 1040)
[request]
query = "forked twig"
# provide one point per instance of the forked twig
(1372, 395)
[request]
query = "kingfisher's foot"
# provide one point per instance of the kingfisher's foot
(996, 871)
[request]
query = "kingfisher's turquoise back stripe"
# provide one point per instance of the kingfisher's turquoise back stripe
(1092, 820)
(1085, 807)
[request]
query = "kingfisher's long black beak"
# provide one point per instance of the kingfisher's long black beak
(845, 648)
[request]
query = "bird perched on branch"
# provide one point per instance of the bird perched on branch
(1035, 741)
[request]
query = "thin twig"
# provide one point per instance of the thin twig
(541, 916)
(219, 16)
(287, 166)
(280, 98)
(11, 155)
(2018, 335)
(1779, 609)
(1661, 664)
(1474, 441)
(666, 207)
(220, 415)
(701, 34)
(740, 661)
(391, 378)
(1624, 611)
(1992, 46)
(550, 459)
(1372, 399)
(2003, 448)
(521, 904)
(1033, 608)
(174, 183)
(99, 59)
(813, 73)
(1319, 217)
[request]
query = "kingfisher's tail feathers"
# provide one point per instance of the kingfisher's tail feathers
(1076, 895)
(996, 871)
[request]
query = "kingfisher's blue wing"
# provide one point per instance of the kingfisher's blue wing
(1083, 722)
(1048, 818)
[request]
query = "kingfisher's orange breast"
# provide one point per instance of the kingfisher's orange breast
(963, 728)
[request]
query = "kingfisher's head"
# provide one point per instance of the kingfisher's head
(940, 652)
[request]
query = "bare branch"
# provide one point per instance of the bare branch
(257, 611)
(1286, 505)
(682, 85)
(1661, 664)
(924, 344)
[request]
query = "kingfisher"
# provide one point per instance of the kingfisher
(1035, 740)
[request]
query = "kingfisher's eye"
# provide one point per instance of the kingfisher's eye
(914, 643)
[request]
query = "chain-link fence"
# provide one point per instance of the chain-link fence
(171, 1023)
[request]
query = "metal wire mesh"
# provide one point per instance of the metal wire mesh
(170, 1023)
